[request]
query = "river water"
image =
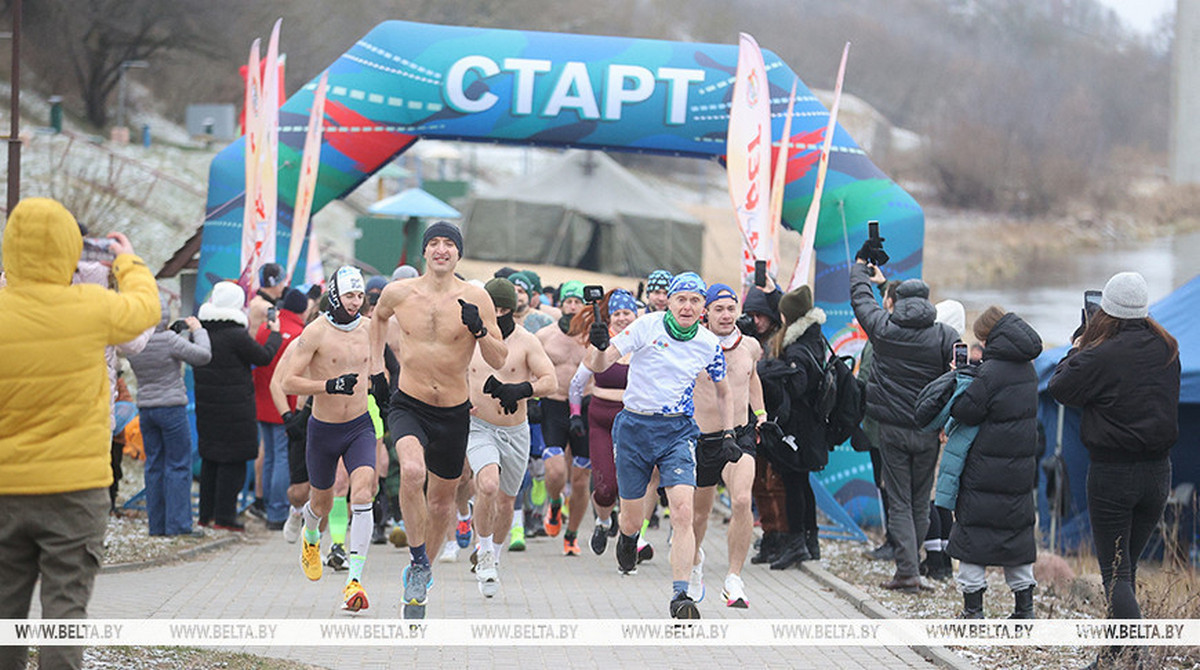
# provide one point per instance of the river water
(1049, 295)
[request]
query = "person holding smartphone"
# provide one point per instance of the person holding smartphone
(1124, 372)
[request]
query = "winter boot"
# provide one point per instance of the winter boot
(973, 605)
(812, 540)
(1023, 604)
(794, 551)
(768, 551)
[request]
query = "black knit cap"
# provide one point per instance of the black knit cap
(443, 229)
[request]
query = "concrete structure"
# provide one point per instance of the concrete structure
(1185, 94)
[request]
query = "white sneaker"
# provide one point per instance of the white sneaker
(695, 588)
(735, 592)
(449, 552)
(487, 572)
(292, 527)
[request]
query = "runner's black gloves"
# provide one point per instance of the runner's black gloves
(343, 385)
(380, 391)
(470, 319)
(293, 423)
(598, 335)
(578, 426)
(729, 447)
(508, 394)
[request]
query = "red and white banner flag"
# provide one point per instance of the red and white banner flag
(253, 210)
(748, 156)
(310, 164)
(779, 176)
(806, 263)
(269, 160)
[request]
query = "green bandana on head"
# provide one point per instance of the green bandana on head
(678, 332)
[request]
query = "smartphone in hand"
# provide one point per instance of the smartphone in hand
(962, 355)
(760, 274)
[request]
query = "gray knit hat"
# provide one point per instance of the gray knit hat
(1125, 296)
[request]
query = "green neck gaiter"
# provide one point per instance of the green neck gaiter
(678, 332)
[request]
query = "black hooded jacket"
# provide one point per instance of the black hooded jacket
(995, 512)
(910, 348)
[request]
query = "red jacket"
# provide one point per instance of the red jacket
(290, 327)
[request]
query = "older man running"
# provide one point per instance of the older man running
(429, 413)
(655, 429)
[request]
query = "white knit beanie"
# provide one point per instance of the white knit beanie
(953, 314)
(1125, 296)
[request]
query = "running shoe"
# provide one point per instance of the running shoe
(645, 553)
(735, 592)
(399, 536)
(695, 589)
(516, 539)
(626, 555)
(337, 558)
(599, 539)
(537, 492)
(258, 509)
(310, 560)
(554, 522)
(449, 552)
(292, 527)
(418, 579)
(488, 574)
(613, 526)
(683, 607)
(354, 598)
(462, 534)
(571, 546)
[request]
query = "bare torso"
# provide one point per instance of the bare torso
(566, 353)
(522, 347)
(431, 342)
(339, 352)
(739, 367)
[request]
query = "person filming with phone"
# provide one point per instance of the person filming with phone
(1124, 372)
(911, 349)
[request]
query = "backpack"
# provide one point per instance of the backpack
(840, 398)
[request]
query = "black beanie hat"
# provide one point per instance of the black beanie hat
(443, 229)
(295, 301)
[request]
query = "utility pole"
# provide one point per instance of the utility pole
(14, 138)
(1184, 147)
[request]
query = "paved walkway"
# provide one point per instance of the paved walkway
(260, 577)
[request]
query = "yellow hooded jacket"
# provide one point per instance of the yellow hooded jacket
(55, 406)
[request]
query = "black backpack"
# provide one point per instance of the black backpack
(840, 398)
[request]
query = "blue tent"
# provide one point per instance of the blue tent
(414, 202)
(1179, 313)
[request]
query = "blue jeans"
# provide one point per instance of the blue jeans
(168, 443)
(275, 474)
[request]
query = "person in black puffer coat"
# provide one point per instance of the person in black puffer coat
(226, 422)
(1124, 372)
(995, 511)
(799, 347)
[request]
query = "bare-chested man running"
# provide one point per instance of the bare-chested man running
(326, 362)
(714, 460)
(441, 319)
(566, 352)
(498, 447)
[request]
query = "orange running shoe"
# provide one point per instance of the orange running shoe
(354, 598)
(571, 546)
(554, 522)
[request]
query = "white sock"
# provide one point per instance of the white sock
(464, 517)
(604, 523)
(292, 510)
(933, 545)
(519, 518)
(486, 544)
(497, 546)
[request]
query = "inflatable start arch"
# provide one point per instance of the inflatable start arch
(404, 81)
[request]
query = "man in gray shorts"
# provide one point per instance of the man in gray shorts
(498, 444)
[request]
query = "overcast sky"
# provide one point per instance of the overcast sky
(1141, 15)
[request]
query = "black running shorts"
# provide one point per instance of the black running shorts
(442, 431)
(711, 458)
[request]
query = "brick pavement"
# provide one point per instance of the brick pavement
(260, 577)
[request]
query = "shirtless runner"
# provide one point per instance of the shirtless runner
(714, 461)
(441, 319)
(326, 362)
(566, 352)
(498, 447)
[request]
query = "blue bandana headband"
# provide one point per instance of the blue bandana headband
(687, 282)
(717, 292)
(621, 299)
(659, 280)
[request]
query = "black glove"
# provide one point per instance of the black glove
(769, 432)
(470, 319)
(745, 323)
(729, 447)
(343, 385)
(534, 411)
(379, 390)
(578, 426)
(865, 252)
(508, 394)
(598, 335)
(293, 423)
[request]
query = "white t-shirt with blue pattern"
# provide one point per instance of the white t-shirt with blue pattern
(663, 370)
